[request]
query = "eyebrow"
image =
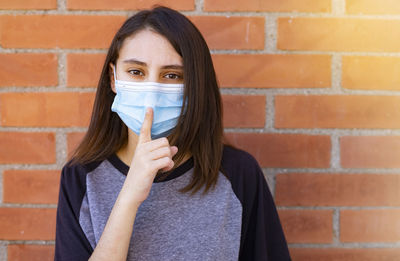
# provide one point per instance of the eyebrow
(171, 66)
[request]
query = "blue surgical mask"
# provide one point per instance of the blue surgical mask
(133, 98)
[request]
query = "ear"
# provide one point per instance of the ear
(111, 73)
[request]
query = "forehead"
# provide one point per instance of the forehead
(149, 47)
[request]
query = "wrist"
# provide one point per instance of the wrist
(128, 197)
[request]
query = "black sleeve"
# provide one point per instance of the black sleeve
(262, 236)
(71, 242)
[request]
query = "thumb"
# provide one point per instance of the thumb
(145, 131)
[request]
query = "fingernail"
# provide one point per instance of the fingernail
(148, 110)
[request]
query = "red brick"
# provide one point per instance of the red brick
(371, 73)
(370, 151)
(28, 4)
(235, 32)
(31, 186)
(337, 111)
(345, 254)
(370, 225)
(339, 34)
(73, 140)
(128, 5)
(268, 6)
(27, 147)
(307, 226)
(273, 70)
(28, 69)
(59, 31)
(83, 69)
(46, 109)
(373, 7)
(244, 111)
(310, 189)
(30, 252)
(285, 150)
(27, 223)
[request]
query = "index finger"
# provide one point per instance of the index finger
(145, 131)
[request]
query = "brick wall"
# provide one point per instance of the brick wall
(310, 88)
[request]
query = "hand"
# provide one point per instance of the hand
(150, 156)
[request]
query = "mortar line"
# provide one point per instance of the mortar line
(335, 152)
(96, 50)
(28, 242)
(61, 149)
(225, 90)
(350, 245)
(3, 251)
(330, 172)
(319, 131)
(27, 205)
(336, 226)
(336, 73)
(338, 208)
(61, 70)
(338, 7)
(61, 5)
(269, 113)
(305, 91)
(199, 6)
(301, 131)
(270, 34)
(127, 12)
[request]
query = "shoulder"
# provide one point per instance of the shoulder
(73, 179)
(262, 234)
(75, 173)
(239, 164)
(73, 186)
(71, 242)
(244, 173)
(237, 159)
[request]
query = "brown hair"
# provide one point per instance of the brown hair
(199, 129)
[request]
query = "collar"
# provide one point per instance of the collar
(177, 172)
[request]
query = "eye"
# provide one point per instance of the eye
(136, 72)
(173, 76)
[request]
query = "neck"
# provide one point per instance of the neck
(126, 152)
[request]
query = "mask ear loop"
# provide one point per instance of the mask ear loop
(115, 75)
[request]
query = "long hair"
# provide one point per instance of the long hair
(199, 128)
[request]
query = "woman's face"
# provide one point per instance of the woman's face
(148, 57)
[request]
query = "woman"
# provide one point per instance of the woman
(152, 179)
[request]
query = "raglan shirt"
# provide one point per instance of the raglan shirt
(237, 220)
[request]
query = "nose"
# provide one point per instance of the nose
(153, 75)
